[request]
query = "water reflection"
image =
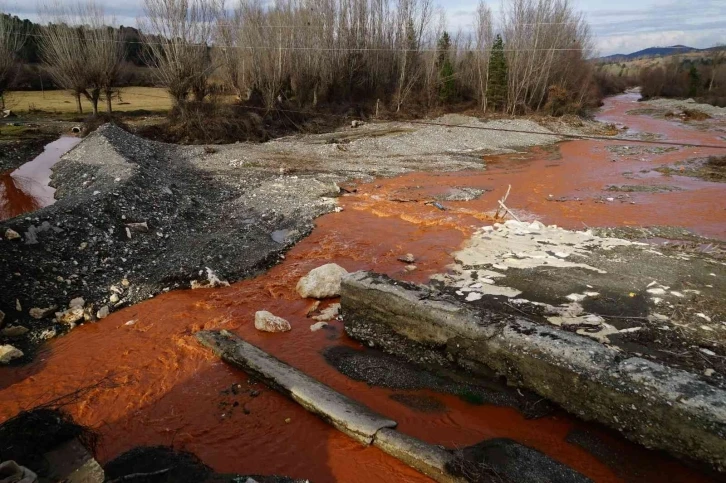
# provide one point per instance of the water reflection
(26, 189)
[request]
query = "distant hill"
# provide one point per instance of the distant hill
(650, 52)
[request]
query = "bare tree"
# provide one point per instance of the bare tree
(11, 41)
(484, 40)
(717, 56)
(82, 52)
(177, 34)
(547, 44)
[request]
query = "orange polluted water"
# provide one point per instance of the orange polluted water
(26, 189)
(169, 390)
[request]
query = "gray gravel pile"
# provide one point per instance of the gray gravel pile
(387, 149)
(136, 218)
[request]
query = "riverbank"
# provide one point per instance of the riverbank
(166, 389)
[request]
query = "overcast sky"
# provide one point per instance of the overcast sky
(619, 26)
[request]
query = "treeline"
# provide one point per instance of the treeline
(702, 79)
(399, 52)
(395, 54)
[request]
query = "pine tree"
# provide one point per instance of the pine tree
(447, 83)
(497, 86)
(694, 81)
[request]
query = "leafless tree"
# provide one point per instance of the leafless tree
(547, 44)
(177, 34)
(717, 56)
(11, 41)
(82, 52)
(484, 40)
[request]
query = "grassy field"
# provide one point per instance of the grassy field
(62, 102)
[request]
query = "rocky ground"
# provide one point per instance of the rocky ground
(661, 303)
(135, 218)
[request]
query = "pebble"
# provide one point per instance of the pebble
(407, 258)
(103, 312)
(317, 326)
(11, 234)
(9, 353)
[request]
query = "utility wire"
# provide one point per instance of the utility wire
(317, 49)
(583, 137)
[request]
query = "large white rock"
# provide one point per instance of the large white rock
(8, 353)
(267, 322)
(322, 282)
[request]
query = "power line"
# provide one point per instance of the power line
(584, 137)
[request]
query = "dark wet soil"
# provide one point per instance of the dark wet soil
(382, 370)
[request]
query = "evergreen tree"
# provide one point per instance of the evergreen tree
(447, 84)
(497, 85)
(694, 81)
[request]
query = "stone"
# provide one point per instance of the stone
(137, 227)
(267, 322)
(70, 316)
(11, 234)
(317, 326)
(328, 313)
(18, 307)
(11, 472)
(407, 258)
(2, 317)
(322, 282)
(410, 268)
(76, 302)
(113, 298)
(103, 312)
(46, 334)
(38, 313)
(15, 331)
(212, 281)
(9, 353)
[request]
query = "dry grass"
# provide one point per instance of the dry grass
(132, 99)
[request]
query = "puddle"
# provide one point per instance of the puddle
(168, 390)
(26, 189)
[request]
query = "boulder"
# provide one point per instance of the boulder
(267, 322)
(8, 353)
(322, 282)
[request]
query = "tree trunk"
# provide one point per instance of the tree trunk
(109, 108)
(79, 106)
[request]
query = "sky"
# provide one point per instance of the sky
(618, 26)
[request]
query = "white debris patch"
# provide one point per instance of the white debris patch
(516, 244)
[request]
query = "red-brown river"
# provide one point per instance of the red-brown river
(169, 390)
